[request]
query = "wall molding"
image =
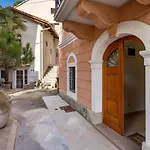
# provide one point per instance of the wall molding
(102, 16)
(145, 2)
(81, 31)
(67, 41)
(73, 64)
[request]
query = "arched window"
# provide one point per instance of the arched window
(72, 76)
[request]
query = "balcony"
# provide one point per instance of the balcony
(57, 4)
(87, 19)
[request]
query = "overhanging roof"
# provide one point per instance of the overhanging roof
(37, 20)
(67, 9)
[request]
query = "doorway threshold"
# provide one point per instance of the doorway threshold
(121, 142)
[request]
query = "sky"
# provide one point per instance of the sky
(5, 3)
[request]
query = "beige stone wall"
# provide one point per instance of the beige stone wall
(48, 50)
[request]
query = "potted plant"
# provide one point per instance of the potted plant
(5, 107)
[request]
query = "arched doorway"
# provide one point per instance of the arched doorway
(138, 29)
(123, 83)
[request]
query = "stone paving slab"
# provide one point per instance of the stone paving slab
(121, 142)
(76, 131)
(54, 102)
(8, 135)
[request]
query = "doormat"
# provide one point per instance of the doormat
(67, 109)
(137, 138)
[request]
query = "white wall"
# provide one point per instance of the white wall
(33, 36)
(134, 78)
(49, 50)
(39, 8)
(38, 49)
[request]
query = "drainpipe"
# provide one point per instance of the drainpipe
(41, 54)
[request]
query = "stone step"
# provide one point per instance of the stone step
(49, 78)
(52, 81)
(53, 73)
(48, 83)
(50, 75)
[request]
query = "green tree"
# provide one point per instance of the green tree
(11, 50)
(27, 55)
(10, 20)
(18, 2)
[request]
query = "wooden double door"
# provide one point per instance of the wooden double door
(113, 85)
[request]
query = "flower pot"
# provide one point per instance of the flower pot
(4, 119)
(5, 108)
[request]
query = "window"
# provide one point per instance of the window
(19, 38)
(72, 79)
(51, 51)
(3, 74)
(72, 76)
(46, 43)
(113, 59)
(52, 10)
(56, 53)
(26, 76)
(19, 80)
(131, 51)
(58, 3)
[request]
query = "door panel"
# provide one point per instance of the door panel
(113, 87)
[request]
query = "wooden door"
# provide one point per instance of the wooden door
(113, 72)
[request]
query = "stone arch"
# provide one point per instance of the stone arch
(136, 28)
(71, 59)
(72, 56)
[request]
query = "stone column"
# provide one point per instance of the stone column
(146, 55)
(96, 86)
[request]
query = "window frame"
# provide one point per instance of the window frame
(71, 94)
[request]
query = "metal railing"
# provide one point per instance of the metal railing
(57, 4)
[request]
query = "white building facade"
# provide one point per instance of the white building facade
(43, 40)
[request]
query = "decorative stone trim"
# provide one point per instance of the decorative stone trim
(146, 55)
(96, 78)
(145, 2)
(67, 41)
(81, 31)
(101, 15)
(95, 65)
(113, 31)
(73, 64)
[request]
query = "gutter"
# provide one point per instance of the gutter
(52, 30)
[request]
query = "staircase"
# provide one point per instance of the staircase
(50, 79)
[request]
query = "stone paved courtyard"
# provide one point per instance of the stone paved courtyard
(43, 127)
